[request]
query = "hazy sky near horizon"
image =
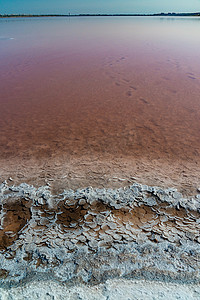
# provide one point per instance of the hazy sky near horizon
(97, 6)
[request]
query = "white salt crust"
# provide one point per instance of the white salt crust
(111, 290)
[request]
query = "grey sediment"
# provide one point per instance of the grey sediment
(88, 236)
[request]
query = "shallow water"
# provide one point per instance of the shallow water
(123, 87)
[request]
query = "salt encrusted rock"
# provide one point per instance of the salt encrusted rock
(112, 225)
(164, 218)
(82, 202)
(81, 238)
(150, 201)
(93, 244)
(69, 245)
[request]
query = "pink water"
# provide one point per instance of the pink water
(119, 86)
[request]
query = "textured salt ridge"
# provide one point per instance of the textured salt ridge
(91, 235)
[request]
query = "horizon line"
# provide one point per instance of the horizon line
(102, 14)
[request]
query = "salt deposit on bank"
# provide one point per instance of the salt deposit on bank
(111, 290)
(94, 237)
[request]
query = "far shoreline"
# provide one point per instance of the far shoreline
(197, 14)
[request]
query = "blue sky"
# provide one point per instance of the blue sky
(98, 6)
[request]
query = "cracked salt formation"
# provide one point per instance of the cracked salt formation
(90, 235)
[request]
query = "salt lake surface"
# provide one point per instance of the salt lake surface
(86, 99)
(109, 105)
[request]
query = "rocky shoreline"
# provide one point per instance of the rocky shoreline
(92, 235)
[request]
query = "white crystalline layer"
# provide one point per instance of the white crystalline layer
(112, 290)
(90, 235)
